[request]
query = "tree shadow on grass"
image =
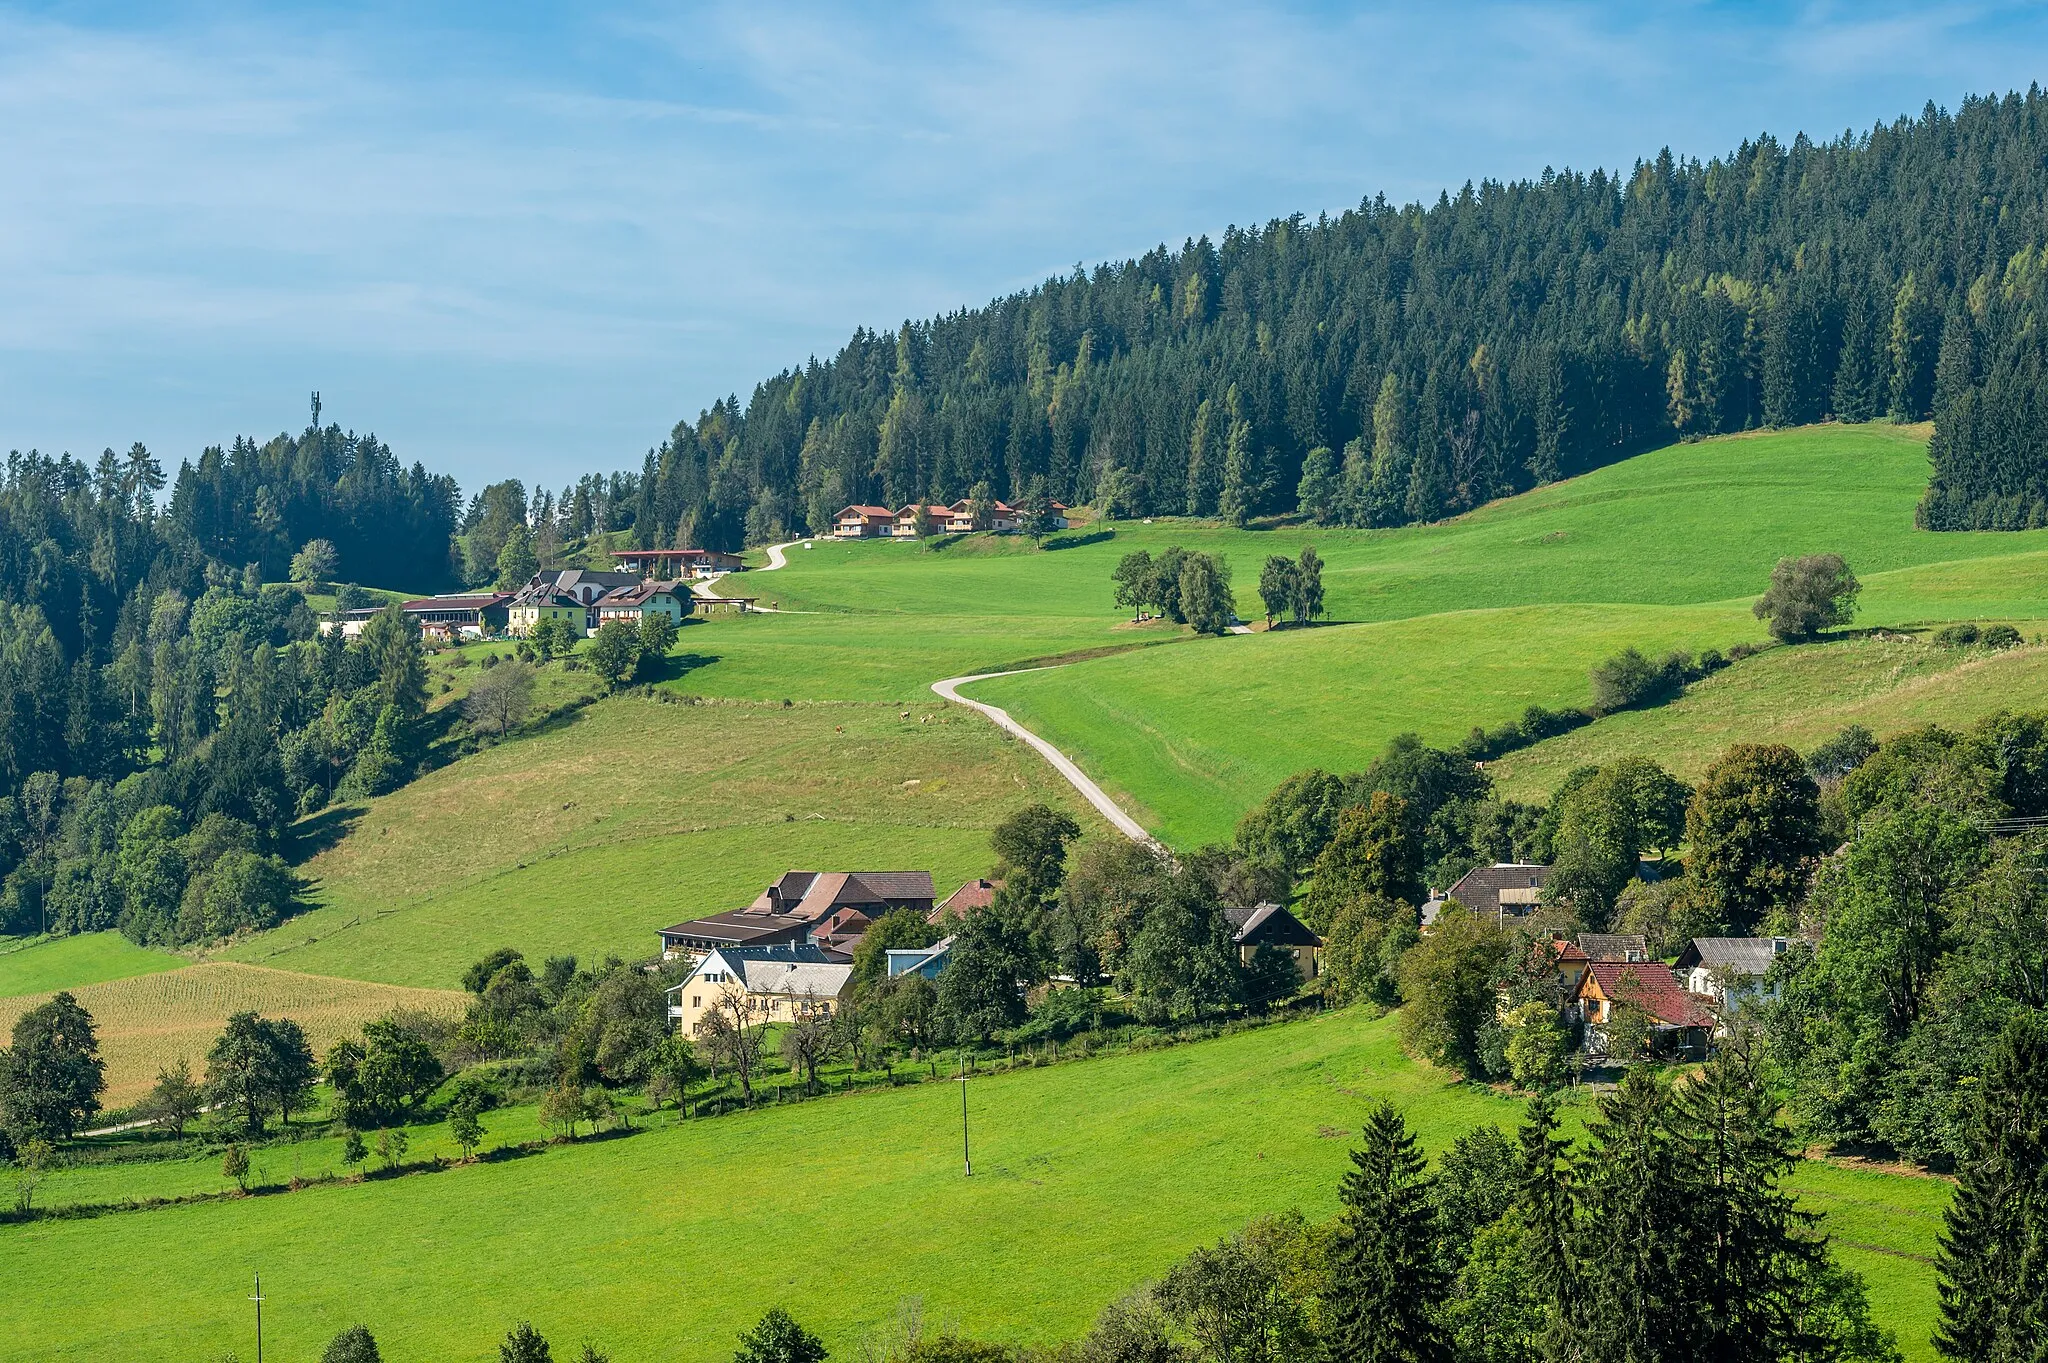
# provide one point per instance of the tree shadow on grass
(677, 666)
(314, 835)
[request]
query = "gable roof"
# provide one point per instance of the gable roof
(1615, 946)
(638, 594)
(1505, 886)
(975, 894)
(866, 513)
(1269, 924)
(1649, 985)
(1743, 955)
(796, 968)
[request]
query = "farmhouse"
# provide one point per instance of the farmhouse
(1002, 518)
(760, 984)
(676, 563)
(1679, 1021)
(652, 597)
(1270, 925)
(1615, 946)
(798, 903)
(1713, 966)
(584, 584)
(1504, 890)
(863, 522)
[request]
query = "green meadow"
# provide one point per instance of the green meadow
(1089, 1177)
(35, 967)
(588, 835)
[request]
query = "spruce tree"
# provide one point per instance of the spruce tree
(1387, 1283)
(1634, 1298)
(1994, 1254)
(1545, 1213)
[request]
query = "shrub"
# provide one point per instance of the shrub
(1628, 680)
(1956, 636)
(2000, 636)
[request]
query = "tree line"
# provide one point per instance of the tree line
(1403, 363)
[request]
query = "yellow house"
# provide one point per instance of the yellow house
(755, 986)
(528, 609)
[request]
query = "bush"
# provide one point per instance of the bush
(2001, 636)
(1956, 636)
(1628, 680)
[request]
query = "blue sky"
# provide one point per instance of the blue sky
(522, 241)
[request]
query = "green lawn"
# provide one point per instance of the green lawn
(1089, 1177)
(37, 967)
(589, 835)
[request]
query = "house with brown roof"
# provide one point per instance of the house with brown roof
(1504, 890)
(471, 614)
(1615, 946)
(795, 905)
(863, 522)
(1679, 1022)
(1002, 517)
(652, 597)
(975, 894)
(906, 519)
(1272, 925)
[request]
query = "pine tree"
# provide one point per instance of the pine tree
(1634, 1293)
(1994, 1254)
(1202, 461)
(1242, 486)
(1544, 1211)
(1387, 1283)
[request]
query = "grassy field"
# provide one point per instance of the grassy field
(1089, 1177)
(1797, 696)
(149, 1021)
(67, 962)
(630, 815)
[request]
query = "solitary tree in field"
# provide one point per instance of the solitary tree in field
(175, 1100)
(465, 1127)
(1808, 595)
(1307, 604)
(501, 698)
(353, 1345)
(1133, 578)
(614, 652)
(657, 636)
(235, 1165)
(52, 1077)
(779, 1339)
(1278, 584)
(525, 1345)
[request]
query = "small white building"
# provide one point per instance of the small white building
(759, 984)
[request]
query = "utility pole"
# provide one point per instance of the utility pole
(257, 1297)
(966, 1154)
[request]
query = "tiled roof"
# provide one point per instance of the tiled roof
(1615, 946)
(1482, 888)
(1651, 986)
(1269, 924)
(975, 894)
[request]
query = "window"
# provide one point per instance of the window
(696, 1000)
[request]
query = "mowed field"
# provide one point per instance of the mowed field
(1089, 1178)
(148, 1022)
(66, 962)
(588, 836)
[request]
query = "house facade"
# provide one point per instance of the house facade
(759, 985)
(630, 604)
(1679, 1023)
(1715, 967)
(525, 611)
(464, 615)
(906, 519)
(1270, 925)
(863, 522)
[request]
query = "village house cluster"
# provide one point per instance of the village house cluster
(879, 522)
(789, 954)
(1685, 1004)
(643, 581)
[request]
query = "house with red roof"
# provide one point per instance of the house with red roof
(1680, 1022)
(863, 522)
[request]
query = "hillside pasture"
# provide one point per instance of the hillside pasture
(1089, 1178)
(587, 836)
(1797, 696)
(148, 1022)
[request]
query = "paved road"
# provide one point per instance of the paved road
(708, 587)
(1061, 763)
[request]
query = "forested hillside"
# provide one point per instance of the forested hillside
(1404, 363)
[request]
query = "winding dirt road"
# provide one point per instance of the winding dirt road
(949, 689)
